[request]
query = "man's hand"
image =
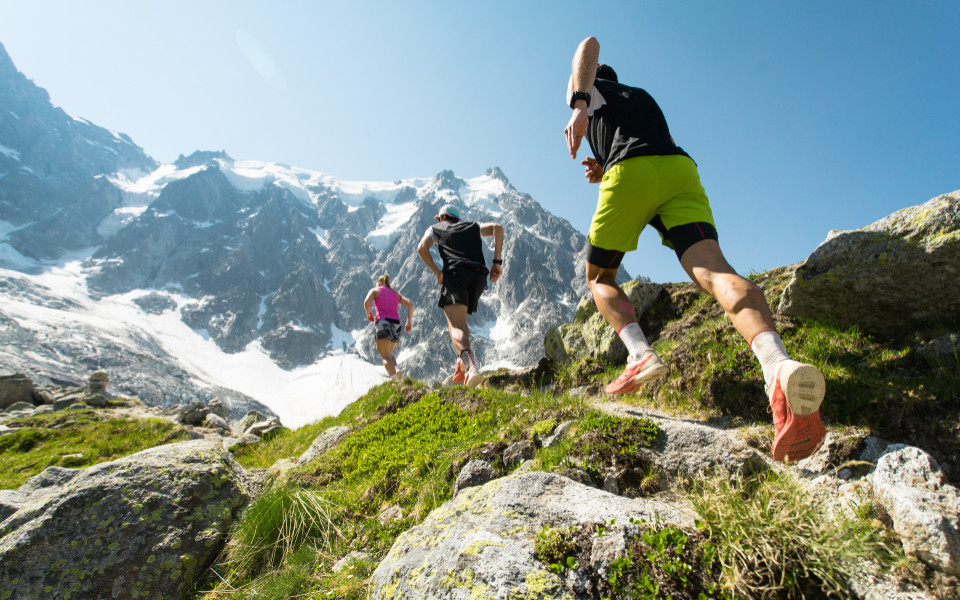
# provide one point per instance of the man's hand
(575, 130)
(439, 275)
(495, 272)
(593, 170)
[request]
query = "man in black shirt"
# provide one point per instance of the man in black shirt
(462, 279)
(646, 179)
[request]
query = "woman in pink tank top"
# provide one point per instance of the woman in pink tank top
(386, 316)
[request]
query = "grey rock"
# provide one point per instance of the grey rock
(578, 475)
(98, 383)
(95, 400)
(354, 556)
(64, 403)
(589, 335)
(217, 407)
(177, 502)
(919, 244)
(474, 473)
(688, 449)
(873, 448)
(611, 485)
(925, 509)
(34, 490)
(516, 453)
(15, 388)
(323, 442)
(557, 435)
(192, 414)
(391, 513)
(19, 406)
(214, 421)
(483, 539)
(262, 428)
(254, 416)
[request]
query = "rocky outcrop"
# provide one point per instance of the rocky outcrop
(322, 443)
(887, 278)
(481, 543)
(589, 335)
(144, 526)
(687, 449)
(15, 388)
(924, 508)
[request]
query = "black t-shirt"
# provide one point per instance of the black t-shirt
(628, 124)
(460, 245)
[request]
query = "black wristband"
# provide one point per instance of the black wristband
(579, 96)
(497, 261)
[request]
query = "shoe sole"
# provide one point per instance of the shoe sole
(801, 437)
(473, 382)
(642, 378)
(804, 388)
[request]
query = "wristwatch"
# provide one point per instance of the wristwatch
(497, 261)
(579, 96)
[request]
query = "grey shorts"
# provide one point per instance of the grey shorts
(388, 329)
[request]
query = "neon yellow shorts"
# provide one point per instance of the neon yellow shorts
(634, 191)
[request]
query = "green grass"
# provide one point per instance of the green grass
(772, 539)
(75, 439)
(405, 444)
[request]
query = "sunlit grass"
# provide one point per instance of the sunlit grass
(76, 439)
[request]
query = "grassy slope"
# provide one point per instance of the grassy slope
(408, 441)
(76, 439)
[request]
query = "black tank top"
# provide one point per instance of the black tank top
(460, 245)
(629, 124)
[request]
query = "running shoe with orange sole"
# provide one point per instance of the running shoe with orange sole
(795, 399)
(647, 369)
(459, 374)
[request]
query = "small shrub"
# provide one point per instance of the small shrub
(556, 548)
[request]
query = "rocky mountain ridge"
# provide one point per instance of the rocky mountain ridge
(254, 257)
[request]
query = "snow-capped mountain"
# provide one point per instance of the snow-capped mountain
(240, 279)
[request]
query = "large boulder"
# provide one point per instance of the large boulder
(481, 543)
(889, 277)
(589, 335)
(925, 509)
(144, 526)
(15, 388)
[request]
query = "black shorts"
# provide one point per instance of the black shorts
(388, 329)
(681, 238)
(462, 286)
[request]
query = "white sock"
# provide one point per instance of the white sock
(768, 347)
(635, 341)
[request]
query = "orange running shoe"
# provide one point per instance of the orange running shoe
(795, 399)
(459, 374)
(647, 369)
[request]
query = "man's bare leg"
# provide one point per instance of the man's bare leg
(460, 337)
(740, 298)
(643, 365)
(794, 390)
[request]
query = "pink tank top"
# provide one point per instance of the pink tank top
(387, 304)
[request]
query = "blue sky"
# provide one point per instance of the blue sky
(803, 116)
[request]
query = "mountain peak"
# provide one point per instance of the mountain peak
(201, 157)
(446, 180)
